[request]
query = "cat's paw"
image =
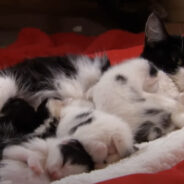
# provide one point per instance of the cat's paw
(151, 84)
(122, 146)
(35, 164)
(54, 162)
(98, 150)
(178, 119)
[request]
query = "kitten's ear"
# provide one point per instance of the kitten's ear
(54, 106)
(155, 30)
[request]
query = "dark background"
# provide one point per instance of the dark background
(89, 17)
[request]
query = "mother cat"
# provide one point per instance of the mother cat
(164, 51)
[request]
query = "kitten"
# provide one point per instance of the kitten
(165, 51)
(26, 85)
(40, 78)
(17, 118)
(128, 91)
(79, 119)
(49, 159)
(105, 137)
(81, 134)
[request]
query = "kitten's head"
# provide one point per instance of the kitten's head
(164, 50)
(68, 158)
(17, 112)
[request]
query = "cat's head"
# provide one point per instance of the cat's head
(164, 50)
(67, 158)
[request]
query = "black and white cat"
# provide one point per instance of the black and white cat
(23, 101)
(96, 130)
(26, 85)
(85, 139)
(132, 90)
(165, 51)
(36, 160)
(128, 90)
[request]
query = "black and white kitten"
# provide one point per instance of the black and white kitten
(165, 51)
(99, 132)
(27, 84)
(128, 90)
(18, 118)
(85, 139)
(36, 160)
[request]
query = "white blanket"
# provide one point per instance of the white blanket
(152, 157)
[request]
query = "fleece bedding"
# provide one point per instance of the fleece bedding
(160, 161)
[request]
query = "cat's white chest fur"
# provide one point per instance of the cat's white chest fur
(166, 86)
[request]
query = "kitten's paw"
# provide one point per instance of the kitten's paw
(35, 163)
(98, 150)
(112, 158)
(122, 145)
(178, 119)
(54, 162)
(151, 84)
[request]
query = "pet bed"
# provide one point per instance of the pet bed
(156, 161)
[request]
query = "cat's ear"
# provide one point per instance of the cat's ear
(155, 30)
(55, 106)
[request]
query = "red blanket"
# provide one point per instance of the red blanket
(118, 45)
(32, 42)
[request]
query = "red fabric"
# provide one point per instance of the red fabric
(118, 45)
(174, 175)
(32, 42)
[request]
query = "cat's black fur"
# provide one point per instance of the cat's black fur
(35, 73)
(17, 118)
(74, 152)
(32, 76)
(163, 50)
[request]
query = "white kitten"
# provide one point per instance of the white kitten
(52, 158)
(128, 90)
(105, 137)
